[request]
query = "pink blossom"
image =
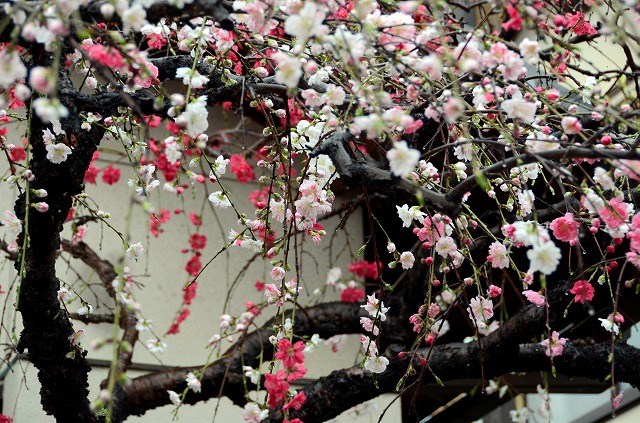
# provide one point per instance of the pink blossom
(534, 297)
(498, 256)
(615, 214)
(554, 345)
(480, 309)
(571, 125)
(565, 229)
(494, 291)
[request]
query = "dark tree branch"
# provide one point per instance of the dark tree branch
(225, 377)
(128, 319)
(329, 396)
(216, 9)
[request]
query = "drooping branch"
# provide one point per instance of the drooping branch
(127, 318)
(225, 377)
(354, 172)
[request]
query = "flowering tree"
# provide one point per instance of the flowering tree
(495, 165)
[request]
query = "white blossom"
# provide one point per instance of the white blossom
(402, 159)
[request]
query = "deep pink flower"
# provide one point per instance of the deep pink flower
(615, 214)
(110, 175)
(351, 295)
(190, 293)
(290, 354)
(198, 241)
(276, 387)
(175, 327)
(91, 174)
(194, 265)
(565, 229)
(583, 291)
(296, 402)
(577, 23)
(242, 169)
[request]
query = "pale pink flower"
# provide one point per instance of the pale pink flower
(571, 125)
(41, 80)
(306, 24)
(375, 307)
(407, 215)
(534, 297)
(288, 69)
(277, 273)
(480, 309)
(273, 294)
(453, 109)
(554, 345)
(41, 206)
(174, 397)
(498, 256)
(402, 159)
(193, 382)
(12, 225)
(407, 259)
(520, 109)
(631, 168)
(544, 258)
(615, 402)
(446, 246)
(57, 153)
(376, 364)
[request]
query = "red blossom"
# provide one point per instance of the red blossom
(364, 269)
(190, 293)
(296, 402)
(14, 101)
(175, 327)
(515, 21)
(195, 219)
(156, 221)
(91, 174)
(276, 387)
(198, 242)
(194, 265)
(351, 295)
(18, 154)
(242, 169)
(296, 373)
(579, 25)
(110, 175)
(583, 291)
